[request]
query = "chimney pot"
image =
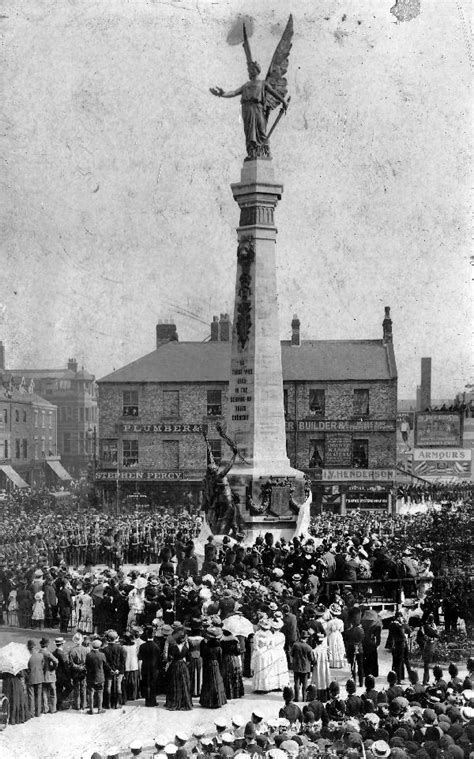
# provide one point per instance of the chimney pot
(215, 329)
(224, 328)
(165, 333)
(295, 331)
(387, 326)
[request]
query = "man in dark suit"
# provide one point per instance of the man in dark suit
(150, 656)
(35, 679)
(116, 657)
(302, 659)
(289, 630)
(96, 669)
(397, 641)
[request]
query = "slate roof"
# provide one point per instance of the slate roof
(313, 360)
(16, 396)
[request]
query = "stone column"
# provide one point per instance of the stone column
(256, 418)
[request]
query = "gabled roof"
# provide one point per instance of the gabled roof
(40, 373)
(16, 396)
(313, 360)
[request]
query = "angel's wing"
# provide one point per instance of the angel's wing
(278, 68)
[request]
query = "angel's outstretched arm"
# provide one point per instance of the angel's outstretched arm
(219, 92)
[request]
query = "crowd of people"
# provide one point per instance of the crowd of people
(190, 629)
(434, 492)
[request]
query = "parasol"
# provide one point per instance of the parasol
(13, 658)
(238, 625)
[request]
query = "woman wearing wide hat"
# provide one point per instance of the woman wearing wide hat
(261, 660)
(231, 666)
(212, 690)
(334, 630)
(318, 641)
(178, 690)
(195, 639)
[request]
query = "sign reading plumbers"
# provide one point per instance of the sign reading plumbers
(157, 428)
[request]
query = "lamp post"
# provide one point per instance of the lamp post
(92, 437)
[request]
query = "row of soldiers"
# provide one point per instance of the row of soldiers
(129, 540)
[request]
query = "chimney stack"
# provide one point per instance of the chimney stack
(387, 326)
(295, 331)
(215, 329)
(225, 328)
(425, 390)
(2, 357)
(72, 365)
(165, 333)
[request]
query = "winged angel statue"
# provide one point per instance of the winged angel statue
(259, 97)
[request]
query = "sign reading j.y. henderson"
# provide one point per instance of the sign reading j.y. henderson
(375, 475)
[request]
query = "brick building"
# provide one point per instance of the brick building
(28, 432)
(340, 407)
(73, 391)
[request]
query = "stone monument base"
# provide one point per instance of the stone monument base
(268, 503)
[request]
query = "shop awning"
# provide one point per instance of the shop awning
(59, 470)
(13, 476)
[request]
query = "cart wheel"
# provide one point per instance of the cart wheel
(4, 712)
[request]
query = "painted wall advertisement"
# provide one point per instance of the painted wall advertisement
(365, 500)
(437, 429)
(442, 463)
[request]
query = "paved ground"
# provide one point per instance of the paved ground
(70, 735)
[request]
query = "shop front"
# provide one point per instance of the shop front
(345, 490)
(170, 489)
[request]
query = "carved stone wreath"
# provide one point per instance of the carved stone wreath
(245, 257)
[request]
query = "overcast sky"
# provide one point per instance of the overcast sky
(116, 206)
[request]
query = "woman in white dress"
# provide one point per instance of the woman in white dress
(320, 675)
(261, 660)
(12, 606)
(279, 676)
(38, 610)
(334, 630)
(83, 604)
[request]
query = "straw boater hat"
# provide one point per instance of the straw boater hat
(335, 609)
(215, 633)
(380, 749)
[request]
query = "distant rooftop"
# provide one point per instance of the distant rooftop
(318, 360)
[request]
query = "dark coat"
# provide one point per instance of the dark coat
(116, 657)
(36, 668)
(150, 656)
(96, 667)
(290, 628)
(302, 656)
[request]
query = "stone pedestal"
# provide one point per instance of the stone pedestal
(256, 420)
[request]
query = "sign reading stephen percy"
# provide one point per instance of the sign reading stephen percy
(342, 425)
(437, 429)
(135, 475)
(156, 428)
